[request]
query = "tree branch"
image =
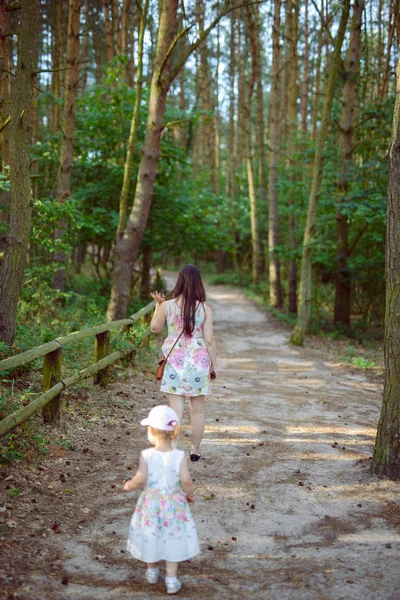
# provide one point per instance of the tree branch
(172, 47)
(357, 239)
(202, 36)
(6, 122)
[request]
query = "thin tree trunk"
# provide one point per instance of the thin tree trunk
(343, 283)
(304, 84)
(145, 274)
(14, 259)
(386, 459)
(127, 246)
(85, 46)
(62, 188)
(57, 56)
(304, 308)
(130, 150)
(293, 28)
(231, 169)
(260, 136)
(109, 31)
(116, 27)
(254, 217)
(317, 80)
(275, 289)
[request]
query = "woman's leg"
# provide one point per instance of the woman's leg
(198, 421)
(178, 404)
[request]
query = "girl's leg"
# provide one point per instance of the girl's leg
(172, 583)
(177, 403)
(152, 572)
(171, 568)
(198, 421)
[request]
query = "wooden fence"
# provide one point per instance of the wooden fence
(53, 384)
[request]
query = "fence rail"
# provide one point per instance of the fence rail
(53, 383)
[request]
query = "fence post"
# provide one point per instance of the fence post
(52, 375)
(101, 350)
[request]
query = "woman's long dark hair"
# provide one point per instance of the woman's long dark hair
(191, 290)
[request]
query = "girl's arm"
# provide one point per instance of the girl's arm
(139, 479)
(208, 333)
(160, 313)
(186, 480)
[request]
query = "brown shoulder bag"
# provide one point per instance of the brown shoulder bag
(161, 363)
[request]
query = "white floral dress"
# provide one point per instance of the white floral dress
(187, 371)
(162, 527)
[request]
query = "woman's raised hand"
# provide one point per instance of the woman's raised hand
(158, 297)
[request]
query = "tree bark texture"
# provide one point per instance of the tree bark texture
(127, 247)
(342, 279)
(275, 288)
(15, 254)
(62, 188)
(304, 308)
(386, 459)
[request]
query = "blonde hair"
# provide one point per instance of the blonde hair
(166, 435)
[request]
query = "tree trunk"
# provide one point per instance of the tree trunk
(62, 188)
(85, 46)
(386, 459)
(116, 27)
(13, 264)
(275, 289)
(231, 158)
(293, 7)
(304, 83)
(109, 31)
(305, 277)
(57, 56)
(254, 216)
(342, 283)
(317, 79)
(127, 246)
(145, 273)
(131, 147)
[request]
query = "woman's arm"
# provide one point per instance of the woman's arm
(139, 479)
(186, 480)
(208, 333)
(160, 313)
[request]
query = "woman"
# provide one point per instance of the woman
(193, 360)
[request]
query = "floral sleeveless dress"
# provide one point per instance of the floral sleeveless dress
(162, 527)
(187, 371)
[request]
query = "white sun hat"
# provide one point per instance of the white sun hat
(161, 417)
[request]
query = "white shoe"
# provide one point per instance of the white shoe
(173, 587)
(152, 575)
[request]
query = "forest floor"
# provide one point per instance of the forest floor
(286, 506)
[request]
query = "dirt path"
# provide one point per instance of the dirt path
(285, 505)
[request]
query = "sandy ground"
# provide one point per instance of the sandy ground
(286, 507)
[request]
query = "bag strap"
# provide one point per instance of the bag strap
(176, 341)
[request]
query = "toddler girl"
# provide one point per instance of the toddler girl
(162, 527)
